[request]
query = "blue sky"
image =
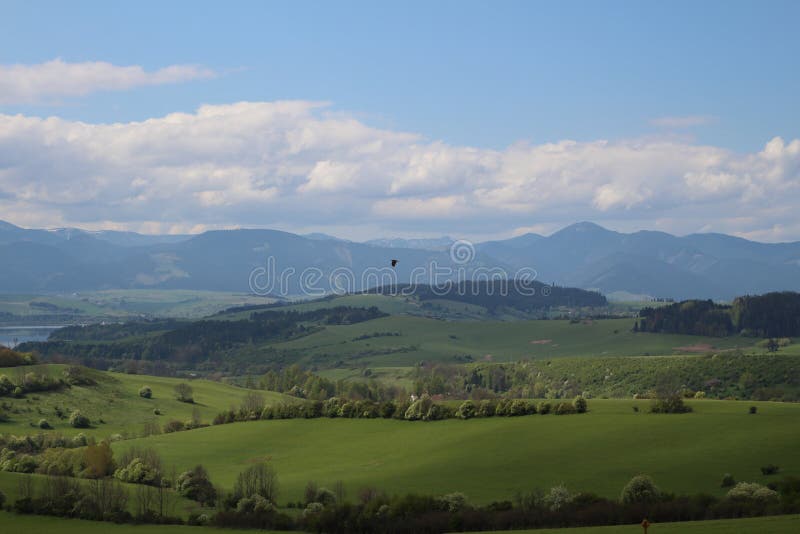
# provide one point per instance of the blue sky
(482, 75)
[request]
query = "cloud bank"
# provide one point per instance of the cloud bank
(49, 81)
(295, 165)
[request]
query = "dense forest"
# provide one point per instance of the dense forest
(190, 342)
(522, 295)
(770, 315)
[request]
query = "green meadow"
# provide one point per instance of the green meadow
(33, 524)
(491, 459)
(785, 524)
(782, 524)
(113, 404)
(423, 338)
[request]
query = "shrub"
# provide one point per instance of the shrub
(138, 472)
(419, 408)
(640, 489)
(670, 404)
(387, 409)
(727, 481)
(6, 386)
(173, 426)
(580, 404)
(454, 502)
(184, 393)
(700, 395)
(78, 420)
(44, 425)
(769, 469)
(156, 411)
(750, 491)
(545, 407)
(436, 412)
(517, 408)
(503, 408)
(753, 409)
(558, 497)
(2, 499)
(486, 408)
(145, 392)
(564, 408)
(195, 485)
(466, 410)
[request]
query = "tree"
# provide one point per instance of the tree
(196, 485)
(640, 489)
(99, 460)
(252, 404)
(184, 393)
(260, 479)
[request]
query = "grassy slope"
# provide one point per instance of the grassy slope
(782, 524)
(489, 459)
(115, 400)
(430, 339)
(32, 524)
(785, 524)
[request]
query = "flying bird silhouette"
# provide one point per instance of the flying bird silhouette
(394, 263)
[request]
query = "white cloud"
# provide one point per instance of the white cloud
(47, 82)
(685, 121)
(294, 165)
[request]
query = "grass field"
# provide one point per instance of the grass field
(430, 339)
(32, 524)
(784, 524)
(115, 400)
(490, 459)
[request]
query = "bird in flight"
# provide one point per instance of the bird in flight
(394, 263)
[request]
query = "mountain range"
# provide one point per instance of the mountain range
(583, 255)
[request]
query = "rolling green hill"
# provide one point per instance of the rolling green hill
(457, 341)
(113, 404)
(490, 459)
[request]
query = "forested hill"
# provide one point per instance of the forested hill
(190, 342)
(770, 315)
(522, 295)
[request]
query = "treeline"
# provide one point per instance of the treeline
(252, 503)
(729, 375)
(12, 358)
(494, 294)
(769, 315)
(415, 409)
(190, 343)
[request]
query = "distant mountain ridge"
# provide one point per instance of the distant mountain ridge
(583, 255)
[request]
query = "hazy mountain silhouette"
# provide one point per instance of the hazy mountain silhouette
(582, 255)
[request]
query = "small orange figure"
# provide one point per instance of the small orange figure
(645, 524)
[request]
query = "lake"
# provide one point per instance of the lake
(24, 333)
